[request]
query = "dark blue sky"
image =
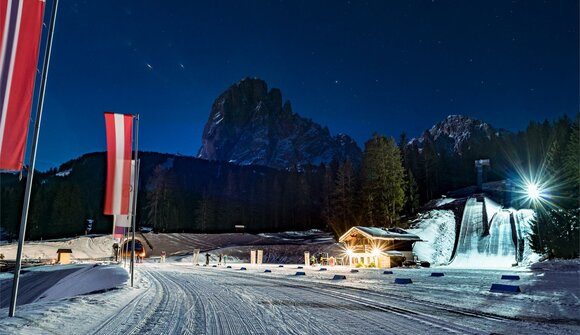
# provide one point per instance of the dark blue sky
(355, 66)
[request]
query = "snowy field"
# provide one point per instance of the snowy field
(179, 298)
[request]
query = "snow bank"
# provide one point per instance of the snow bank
(50, 283)
(92, 278)
(437, 229)
(443, 201)
(439, 202)
(524, 218)
(83, 247)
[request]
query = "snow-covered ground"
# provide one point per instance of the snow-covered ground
(84, 247)
(180, 298)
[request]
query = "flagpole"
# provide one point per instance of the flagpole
(135, 189)
(32, 162)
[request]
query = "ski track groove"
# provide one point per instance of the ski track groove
(444, 325)
(216, 301)
(414, 317)
(396, 325)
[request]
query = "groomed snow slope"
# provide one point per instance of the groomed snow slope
(180, 298)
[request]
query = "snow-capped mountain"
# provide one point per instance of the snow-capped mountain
(250, 125)
(457, 134)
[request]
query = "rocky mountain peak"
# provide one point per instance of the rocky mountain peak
(458, 126)
(250, 124)
(457, 133)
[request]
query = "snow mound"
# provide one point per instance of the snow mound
(437, 229)
(435, 203)
(83, 247)
(524, 219)
(89, 279)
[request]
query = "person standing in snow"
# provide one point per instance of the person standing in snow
(207, 258)
(220, 259)
(163, 256)
(225, 257)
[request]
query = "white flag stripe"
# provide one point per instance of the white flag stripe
(119, 160)
(125, 220)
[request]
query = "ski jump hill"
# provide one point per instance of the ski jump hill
(492, 237)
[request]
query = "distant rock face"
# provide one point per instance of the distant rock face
(249, 125)
(458, 133)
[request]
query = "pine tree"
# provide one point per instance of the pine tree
(205, 214)
(327, 191)
(430, 169)
(556, 233)
(383, 184)
(162, 211)
(343, 205)
(412, 194)
(571, 164)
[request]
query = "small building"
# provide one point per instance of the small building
(378, 247)
(63, 256)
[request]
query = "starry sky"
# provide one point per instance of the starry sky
(358, 67)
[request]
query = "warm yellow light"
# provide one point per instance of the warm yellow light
(349, 251)
(376, 251)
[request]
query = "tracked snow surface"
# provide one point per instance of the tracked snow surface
(179, 297)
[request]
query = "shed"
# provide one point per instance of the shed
(63, 256)
(378, 247)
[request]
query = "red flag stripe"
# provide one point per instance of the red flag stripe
(119, 150)
(127, 163)
(21, 24)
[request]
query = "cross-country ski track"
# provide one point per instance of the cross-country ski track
(181, 299)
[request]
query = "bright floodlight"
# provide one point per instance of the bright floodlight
(349, 252)
(376, 251)
(533, 191)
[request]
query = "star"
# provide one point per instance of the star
(149, 66)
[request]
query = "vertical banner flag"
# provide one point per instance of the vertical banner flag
(125, 220)
(119, 150)
(20, 31)
(119, 232)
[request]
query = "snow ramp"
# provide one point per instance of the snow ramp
(478, 249)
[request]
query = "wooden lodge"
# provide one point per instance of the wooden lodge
(378, 247)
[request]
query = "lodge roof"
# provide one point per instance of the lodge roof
(377, 233)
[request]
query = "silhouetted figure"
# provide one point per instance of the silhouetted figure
(207, 258)
(220, 259)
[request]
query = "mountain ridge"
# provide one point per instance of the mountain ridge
(251, 125)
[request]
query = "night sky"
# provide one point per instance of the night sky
(358, 67)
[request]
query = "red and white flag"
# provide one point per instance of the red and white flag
(118, 232)
(119, 149)
(125, 220)
(20, 31)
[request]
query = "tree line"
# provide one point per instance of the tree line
(186, 194)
